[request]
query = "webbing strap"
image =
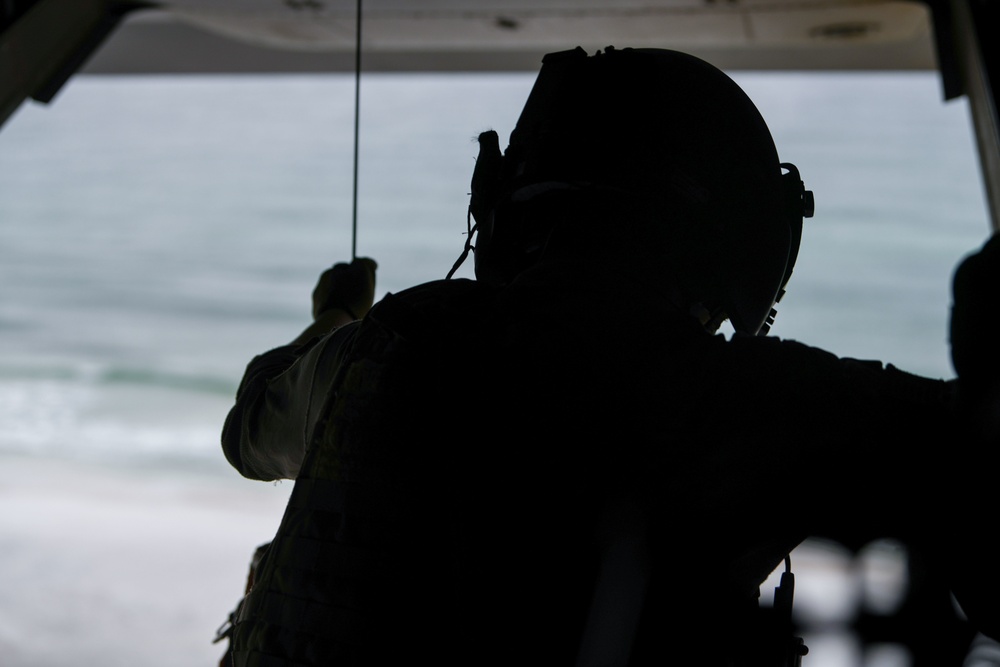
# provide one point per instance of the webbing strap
(621, 588)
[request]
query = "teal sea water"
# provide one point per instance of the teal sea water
(156, 233)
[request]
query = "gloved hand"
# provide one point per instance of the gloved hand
(350, 287)
(975, 316)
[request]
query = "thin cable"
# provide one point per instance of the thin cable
(357, 119)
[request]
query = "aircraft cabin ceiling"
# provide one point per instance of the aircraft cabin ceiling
(449, 35)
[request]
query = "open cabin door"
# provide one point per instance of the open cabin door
(43, 43)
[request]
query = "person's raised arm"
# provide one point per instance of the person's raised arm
(268, 430)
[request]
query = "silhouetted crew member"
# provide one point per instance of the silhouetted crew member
(561, 462)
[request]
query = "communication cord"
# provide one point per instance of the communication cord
(357, 120)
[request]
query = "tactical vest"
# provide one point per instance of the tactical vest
(448, 509)
(392, 542)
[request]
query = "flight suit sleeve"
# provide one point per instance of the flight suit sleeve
(268, 430)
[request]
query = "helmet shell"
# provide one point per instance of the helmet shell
(678, 133)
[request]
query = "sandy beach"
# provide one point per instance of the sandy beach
(122, 566)
(139, 566)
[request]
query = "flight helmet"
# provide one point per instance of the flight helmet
(664, 128)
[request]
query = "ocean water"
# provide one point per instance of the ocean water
(157, 232)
